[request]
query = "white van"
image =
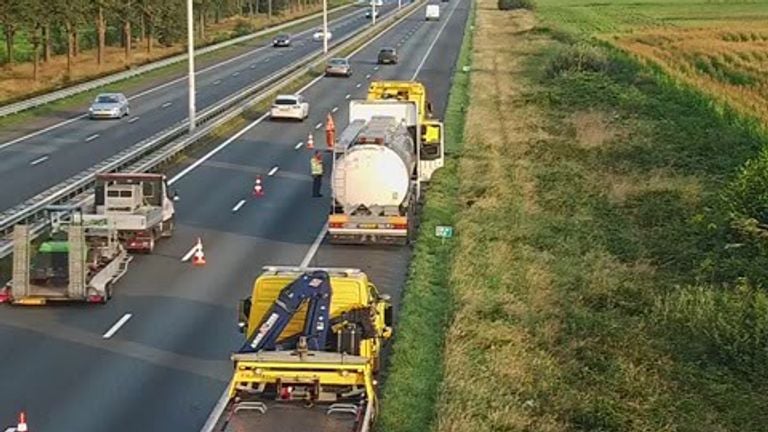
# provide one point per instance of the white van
(433, 12)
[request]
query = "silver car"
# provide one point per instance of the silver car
(338, 66)
(109, 105)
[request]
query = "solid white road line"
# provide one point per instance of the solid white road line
(222, 402)
(41, 131)
(121, 322)
(315, 246)
(273, 171)
(134, 119)
(299, 145)
(166, 105)
(149, 91)
(189, 254)
(238, 206)
(432, 45)
(231, 139)
(39, 160)
(92, 137)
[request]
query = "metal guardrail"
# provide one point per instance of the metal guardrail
(120, 76)
(153, 151)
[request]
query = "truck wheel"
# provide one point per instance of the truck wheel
(151, 245)
(167, 228)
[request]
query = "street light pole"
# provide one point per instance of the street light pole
(325, 26)
(373, 11)
(191, 61)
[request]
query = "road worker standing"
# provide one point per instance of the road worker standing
(316, 165)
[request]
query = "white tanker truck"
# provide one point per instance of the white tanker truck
(376, 169)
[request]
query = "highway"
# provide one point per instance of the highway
(164, 366)
(33, 162)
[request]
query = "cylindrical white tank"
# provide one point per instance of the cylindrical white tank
(374, 174)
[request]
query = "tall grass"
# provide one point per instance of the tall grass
(410, 392)
(599, 282)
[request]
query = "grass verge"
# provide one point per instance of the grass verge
(598, 281)
(410, 391)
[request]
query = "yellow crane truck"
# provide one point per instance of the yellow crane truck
(311, 353)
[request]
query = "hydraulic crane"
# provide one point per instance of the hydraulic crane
(314, 288)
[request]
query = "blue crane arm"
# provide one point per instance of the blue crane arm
(314, 287)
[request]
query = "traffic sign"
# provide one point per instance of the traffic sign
(444, 232)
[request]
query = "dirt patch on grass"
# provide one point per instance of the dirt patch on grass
(593, 129)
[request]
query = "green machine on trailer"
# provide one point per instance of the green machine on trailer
(79, 260)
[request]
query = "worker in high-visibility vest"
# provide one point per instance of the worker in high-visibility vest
(316, 165)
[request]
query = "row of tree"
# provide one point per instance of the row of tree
(64, 26)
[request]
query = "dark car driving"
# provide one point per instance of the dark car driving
(387, 55)
(281, 40)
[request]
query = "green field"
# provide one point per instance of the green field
(610, 263)
(599, 17)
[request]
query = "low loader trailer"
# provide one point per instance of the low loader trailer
(311, 355)
(77, 262)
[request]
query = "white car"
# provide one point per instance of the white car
(109, 105)
(317, 36)
(289, 107)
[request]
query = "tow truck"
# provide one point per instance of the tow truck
(136, 205)
(310, 356)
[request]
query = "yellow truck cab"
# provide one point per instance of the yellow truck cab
(283, 384)
(431, 129)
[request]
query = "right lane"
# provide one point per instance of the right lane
(165, 368)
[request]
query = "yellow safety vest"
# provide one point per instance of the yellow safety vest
(317, 166)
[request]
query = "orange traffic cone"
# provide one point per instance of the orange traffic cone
(22, 426)
(198, 258)
(330, 132)
(310, 142)
(258, 189)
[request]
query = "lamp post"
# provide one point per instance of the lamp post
(325, 26)
(191, 61)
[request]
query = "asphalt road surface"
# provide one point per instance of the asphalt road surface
(41, 160)
(164, 366)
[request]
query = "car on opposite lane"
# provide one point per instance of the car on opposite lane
(368, 13)
(317, 36)
(338, 67)
(289, 107)
(387, 55)
(109, 105)
(281, 40)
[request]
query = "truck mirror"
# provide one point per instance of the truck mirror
(385, 297)
(429, 109)
(388, 316)
(243, 311)
(175, 195)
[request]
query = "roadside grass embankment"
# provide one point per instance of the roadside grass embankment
(416, 367)
(600, 279)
